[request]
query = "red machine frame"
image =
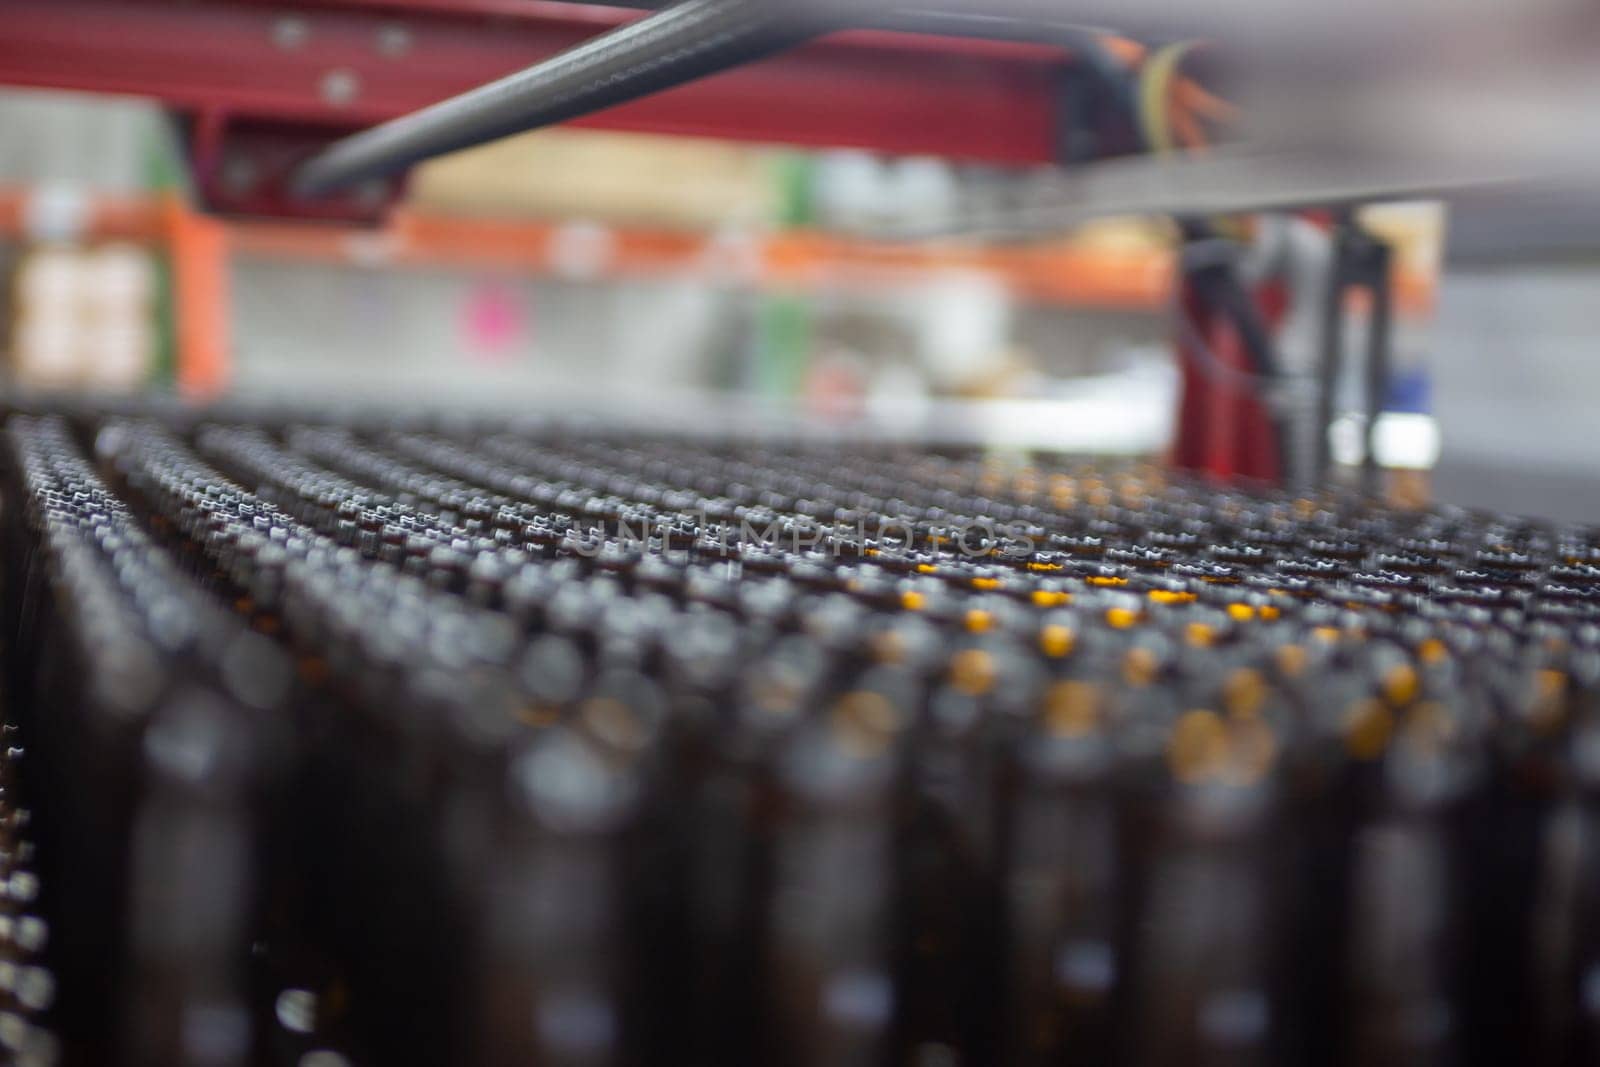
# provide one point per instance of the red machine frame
(275, 81)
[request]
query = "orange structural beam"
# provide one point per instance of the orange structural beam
(101, 217)
(1061, 271)
(200, 275)
(1055, 272)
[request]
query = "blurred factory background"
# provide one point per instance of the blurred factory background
(609, 269)
(574, 261)
(382, 381)
(660, 274)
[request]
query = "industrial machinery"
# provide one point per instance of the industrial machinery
(357, 737)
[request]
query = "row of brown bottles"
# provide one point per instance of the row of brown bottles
(414, 743)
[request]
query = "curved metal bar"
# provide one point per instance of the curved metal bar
(676, 45)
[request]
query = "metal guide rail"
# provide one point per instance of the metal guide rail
(386, 743)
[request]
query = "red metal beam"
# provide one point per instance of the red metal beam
(341, 64)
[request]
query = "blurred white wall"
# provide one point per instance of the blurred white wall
(101, 142)
(1517, 389)
(318, 329)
